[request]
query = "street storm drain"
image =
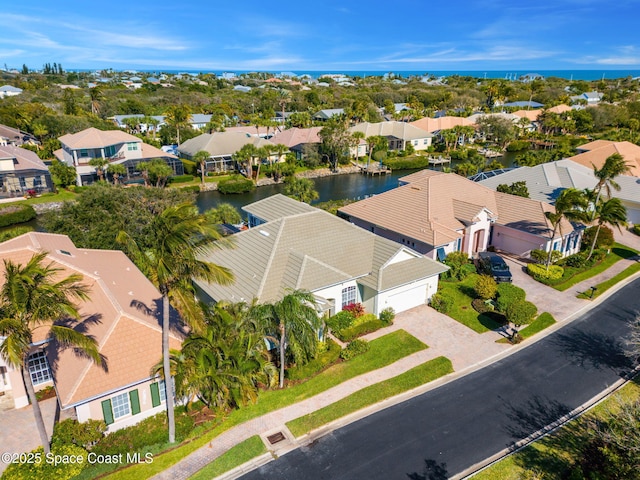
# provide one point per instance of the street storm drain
(276, 438)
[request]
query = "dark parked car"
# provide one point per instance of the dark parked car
(494, 265)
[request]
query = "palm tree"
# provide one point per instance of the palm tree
(201, 157)
(180, 237)
(301, 189)
(569, 205)
(99, 163)
(613, 166)
(295, 321)
(357, 137)
(117, 170)
(97, 95)
(611, 212)
(34, 296)
(178, 116)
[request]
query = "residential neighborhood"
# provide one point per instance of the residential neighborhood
(193, 263)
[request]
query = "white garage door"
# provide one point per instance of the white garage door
(407, 299)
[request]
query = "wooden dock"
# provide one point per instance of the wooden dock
(435, 161)
(374, 169)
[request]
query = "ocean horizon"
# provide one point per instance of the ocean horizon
(502, 74)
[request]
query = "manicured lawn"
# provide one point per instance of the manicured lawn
(607, 284)
(462, 294)
(552, 455)
(372, 394)
(574, 276)
(61, 196)
(543, 321)
(234, 457)
(383, 351)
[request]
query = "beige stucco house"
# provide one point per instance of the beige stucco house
(122, 314)
(399, 134)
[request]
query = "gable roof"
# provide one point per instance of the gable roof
(402, 130)
(595, 154)
(312, 250)
(23, 159)
(441, 123)
(122, 314)
(220, 143)
(432, 207)
(277, 206)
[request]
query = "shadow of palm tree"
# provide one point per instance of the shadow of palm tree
(432, 471)
(594, 349)
(536, 414)
(155, 311)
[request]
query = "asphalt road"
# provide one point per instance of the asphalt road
(466, 421)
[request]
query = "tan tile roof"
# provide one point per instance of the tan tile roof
(94, 138)
(443, 123)
(531, 115)
(433, 207)
(122, 314)
(221, 143)
(309, 250)
(25, 159)
(597, 152)
(402, 130)
(297, 136)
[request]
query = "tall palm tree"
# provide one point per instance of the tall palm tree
(613, 166)
(570, 205)
(294, 320)
(201, 158)
(117, 170)
(610, 212)
(34, 296)
(178, 116)
(97, 95)
(180, 237)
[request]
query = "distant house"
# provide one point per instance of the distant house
(297, 138)
(438, 213)
(590, 98)
(78, 149)
(123, 314)
(433, 125)
(242, 88)
(22, 170)
(198, 121)
(221, 146)
(327, 113)
(292, 245)
(399, 134)
(9, 91)
(545, 182)
(524, 104)
(594, 154)
(13, 136)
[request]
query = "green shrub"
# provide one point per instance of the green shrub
(485, 287)
(507, 294)
(521, 312)
(387, 315)
(540, 256)
(577, 260)
(181, 179)
(359, 329)
(355, 348)
(150, 431)
(191, 188)
(14, 232)
(235, 184)
(340, 321)
(46, 467)
(441, 302)
(636, 229)
(12, 214)
(540, 272)
(458, 263)
(605, 238)
(407, 163)
(518, 146)
(190, 167)
(72, 432)
(329, 354)
(482, 306)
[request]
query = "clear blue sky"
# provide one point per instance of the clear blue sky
(353, 35)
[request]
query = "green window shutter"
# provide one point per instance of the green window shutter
(107, 412)
(135, 402)
(155, 394)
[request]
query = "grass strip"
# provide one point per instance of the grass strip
(553, 455)
(383, 351)
(618, 252)
(543, 321)
(607, 284)
(372, 394)
(234, 457)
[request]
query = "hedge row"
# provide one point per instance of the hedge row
(12, 214)
(355, 331)
(235, 184)
(540, 272)
(323, 360)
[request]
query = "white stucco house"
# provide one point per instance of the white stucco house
(291, 245)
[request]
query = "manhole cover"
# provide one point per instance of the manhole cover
(275, 438)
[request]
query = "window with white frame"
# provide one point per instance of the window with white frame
(162, 391)
(132, 146)
(348, 296)
(120, 405)
(39, 368)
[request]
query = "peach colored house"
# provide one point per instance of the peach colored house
(594, 154)
(438, 213)
(442, 123)
(122, 314)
